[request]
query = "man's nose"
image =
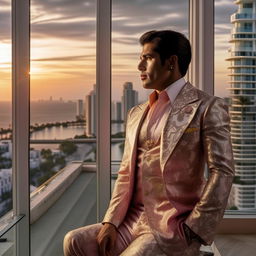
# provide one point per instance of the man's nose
(141, 66)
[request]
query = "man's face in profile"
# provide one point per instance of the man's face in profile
(154, 74)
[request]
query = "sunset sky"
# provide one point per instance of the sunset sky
(63, 44)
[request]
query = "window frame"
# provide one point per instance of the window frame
(103, 101)
(20, 121)
(201, 74)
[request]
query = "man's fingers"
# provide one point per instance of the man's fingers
(112, 244)
(103, 246)
(106, 239)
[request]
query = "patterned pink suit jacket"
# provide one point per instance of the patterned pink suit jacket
(196, 132)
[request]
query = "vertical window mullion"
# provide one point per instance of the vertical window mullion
(201, 72)
(20, 115)
(103, 99)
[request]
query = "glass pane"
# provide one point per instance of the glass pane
(63, 60)
(235, 82)
(130, 20)
(5, 109)
(7, 241)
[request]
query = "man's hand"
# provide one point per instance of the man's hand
(106, 239)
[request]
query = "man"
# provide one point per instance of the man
(162, 204)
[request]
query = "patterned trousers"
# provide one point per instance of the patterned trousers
(82, 242)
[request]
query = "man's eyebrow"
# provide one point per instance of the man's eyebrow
(146, 55)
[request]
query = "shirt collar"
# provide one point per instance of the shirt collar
(172, 91)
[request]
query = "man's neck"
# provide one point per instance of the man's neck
(168, 83)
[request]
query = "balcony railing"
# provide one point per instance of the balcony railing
(242, 16)
(242, 29)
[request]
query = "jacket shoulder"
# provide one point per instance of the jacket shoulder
(208, 99)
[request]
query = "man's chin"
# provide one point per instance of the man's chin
(147, 85)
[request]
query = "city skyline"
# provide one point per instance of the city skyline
(63, 44)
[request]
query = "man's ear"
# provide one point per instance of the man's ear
(173, 61)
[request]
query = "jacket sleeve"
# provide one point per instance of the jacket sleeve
(120, 200)
(208, 212)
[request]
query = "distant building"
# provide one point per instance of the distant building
(116, 108)
(79, 110)
(34, 158)
(113, 110)
(6, 146)
(34, 155)
(227, 100)
(57, 152)
(6, 149)
(243, 103)
(34, 163)
(118, 111)
(90, 113)
(5, 181)
(129, 98)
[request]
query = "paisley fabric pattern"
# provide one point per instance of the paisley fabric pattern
(144, 245)
(196, 133)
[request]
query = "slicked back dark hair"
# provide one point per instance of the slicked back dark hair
(168, 43)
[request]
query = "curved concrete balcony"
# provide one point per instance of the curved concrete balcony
(236, 37)
(242, 1)
(240, 155)
(237, 132)
(235, 135)
(242, 16)
(245, 159)
(241, 66)
(235, 73)
(249, 130)
(241, 54)
(243, 70)
(241, 143)
(246, 173)
(240, 88)
(242, 30)
(242, 170)
(246, 108)
(243, 81)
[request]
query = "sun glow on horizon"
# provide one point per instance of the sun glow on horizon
(63, 47)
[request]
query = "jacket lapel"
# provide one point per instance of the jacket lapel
(135, 123)
(182, 113)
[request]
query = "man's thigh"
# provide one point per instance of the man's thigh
(144, 245)
(82, 242)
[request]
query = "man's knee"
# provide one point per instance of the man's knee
(70, 240)
(81, 241)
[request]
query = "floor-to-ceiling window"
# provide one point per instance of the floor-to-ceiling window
(129, 21)
(235, 40)
(62, 117)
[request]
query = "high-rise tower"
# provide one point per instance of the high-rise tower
(129, 98)
(243, 102)
(90, 113)
(79, 109)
